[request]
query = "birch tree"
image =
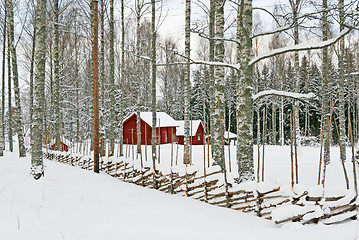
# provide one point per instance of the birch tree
(57, 77)
(218, 118)
(187, 81)
(138, 12)
(154, 69)
(295, 6)
(3, 84)
(17, 109)
(31, 80)
(122, 75)
(112, 81)
(325, 84)
(245, 102)
(9, 106)
(102, 78)
(341, 81)
(212, 12)
(40, 58)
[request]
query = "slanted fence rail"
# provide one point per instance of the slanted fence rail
(264, 199)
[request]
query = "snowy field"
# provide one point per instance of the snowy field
(277, 163)
(71, 203)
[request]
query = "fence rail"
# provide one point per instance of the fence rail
(262, 199)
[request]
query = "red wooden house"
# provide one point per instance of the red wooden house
(64, 146)
(196, 135)
(165, 128)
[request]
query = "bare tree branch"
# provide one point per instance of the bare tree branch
(300, 47)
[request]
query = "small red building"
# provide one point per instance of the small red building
(196, 135)
(165, 128)
(64, 147)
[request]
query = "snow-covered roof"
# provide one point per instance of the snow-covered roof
(225, 135)
(180, 128)
(231, 135)
(162, 119)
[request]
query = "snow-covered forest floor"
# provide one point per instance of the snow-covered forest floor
(276, 161)
(72, 203)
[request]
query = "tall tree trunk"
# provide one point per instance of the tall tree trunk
(91, 123)
(31, 80)
(40, 58)
(9, 133)
(17, 109)
(274, 123)
(102, 79)
(281, 123)
(113, 123)
(96, 143)
(295, 10)
(341, 82)
(3, 84)
(212, 13)
(325, 87)
(357, 112)
(187, 82)
(77, 83)
(307, 117)
(245, 102)
(49, 94)
(57, 77)
(218, 116)
(122, 71)
(137, 69)
(153, 28)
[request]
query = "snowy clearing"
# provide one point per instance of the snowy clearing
(71, 203)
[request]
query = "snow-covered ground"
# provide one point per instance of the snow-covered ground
(277, 163)
(72, 203)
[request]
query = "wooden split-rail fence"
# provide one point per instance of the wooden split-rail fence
(264, 199)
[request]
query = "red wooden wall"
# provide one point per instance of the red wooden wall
(197, 139)
(168, 134)
(64, 147)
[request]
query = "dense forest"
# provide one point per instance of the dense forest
(260, 72)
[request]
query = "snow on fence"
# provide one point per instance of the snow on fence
(264, 199)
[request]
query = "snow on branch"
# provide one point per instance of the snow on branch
(272, 92)
(300, 47)
(158, 64)
(218, 64)
(210, 63)
(352, 74)
(205, 36)
(146, 58)
(277, 30)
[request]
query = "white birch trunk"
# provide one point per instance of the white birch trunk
(245, 102)
(341, 82)
(187, 82)
(57, 77)
(17, 109)
(40, 58)
(113, 122)
(218, 116)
